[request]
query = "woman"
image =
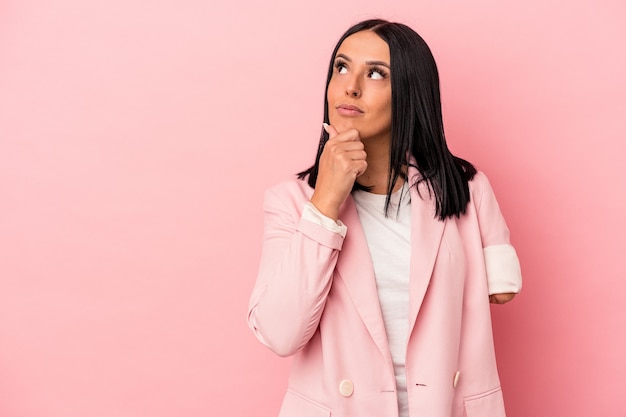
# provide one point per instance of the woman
(380, 260)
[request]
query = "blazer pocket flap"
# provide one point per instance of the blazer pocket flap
(297, 405)
(487, 404)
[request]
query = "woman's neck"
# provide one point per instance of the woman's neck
(376, 176)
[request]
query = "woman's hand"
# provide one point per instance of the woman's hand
(501, 298)
(342, 161)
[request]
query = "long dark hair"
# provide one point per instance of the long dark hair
(416, 121)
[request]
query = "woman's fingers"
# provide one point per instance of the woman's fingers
(342, 161)
(501, 298)
(345, 153)
(332, 132)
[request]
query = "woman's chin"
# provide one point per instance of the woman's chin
(343, 125)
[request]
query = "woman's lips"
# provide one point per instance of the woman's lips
(348, 110)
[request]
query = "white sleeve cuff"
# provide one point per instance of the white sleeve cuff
(504, 274)
(312, 214)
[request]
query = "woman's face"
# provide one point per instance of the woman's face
(359, 91)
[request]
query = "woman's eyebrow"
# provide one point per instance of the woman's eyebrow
(382, 63)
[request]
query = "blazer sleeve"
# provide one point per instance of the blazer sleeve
(501, 261)
(295, 274)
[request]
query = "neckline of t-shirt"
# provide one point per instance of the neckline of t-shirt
(365, 197)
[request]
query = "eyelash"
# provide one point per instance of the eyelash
(382, 73)
(341, 64)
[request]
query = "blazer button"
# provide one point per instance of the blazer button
(346, 388)
(455, 382)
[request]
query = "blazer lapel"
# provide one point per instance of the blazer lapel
(356, 270)
(426, 235)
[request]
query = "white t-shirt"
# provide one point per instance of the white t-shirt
(389, 242)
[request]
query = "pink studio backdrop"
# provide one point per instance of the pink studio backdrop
(136, 139)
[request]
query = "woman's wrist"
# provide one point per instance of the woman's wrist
(326, 206)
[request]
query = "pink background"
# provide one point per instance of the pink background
(136, 139)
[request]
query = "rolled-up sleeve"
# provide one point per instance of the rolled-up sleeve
(501, 261)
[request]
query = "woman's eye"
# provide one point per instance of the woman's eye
(341, 67)
(377, 74)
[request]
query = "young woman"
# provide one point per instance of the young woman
(380, 260)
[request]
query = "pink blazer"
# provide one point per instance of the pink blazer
(315, 297)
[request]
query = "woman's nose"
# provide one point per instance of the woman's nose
(353, 91)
